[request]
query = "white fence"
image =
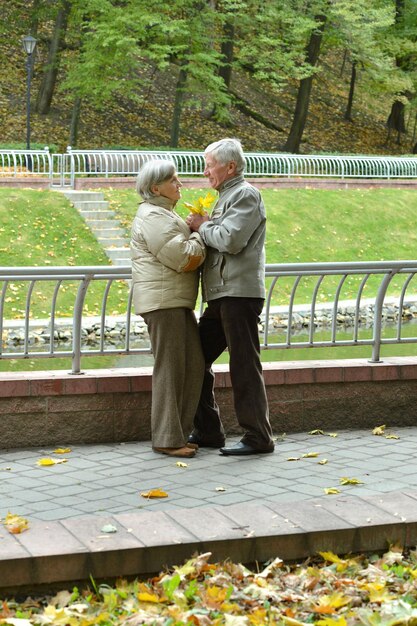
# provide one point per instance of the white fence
(63, 169)
(329, 282)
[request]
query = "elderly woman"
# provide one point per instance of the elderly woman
(165, 260)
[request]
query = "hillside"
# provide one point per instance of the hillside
(147, 125)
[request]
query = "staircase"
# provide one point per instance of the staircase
(103, 224)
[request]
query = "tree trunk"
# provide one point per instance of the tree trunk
(348, 112)
(179, 99)
(46, 90)
(75, 118)
(227, 52)
(225, 70)
(396, 119)
(304, 90)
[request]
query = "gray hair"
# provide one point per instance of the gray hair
(227, 150)
(153, 173)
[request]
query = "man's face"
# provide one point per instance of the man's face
(216, 172)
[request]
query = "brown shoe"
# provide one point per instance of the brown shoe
(193, 446)
(184, 452)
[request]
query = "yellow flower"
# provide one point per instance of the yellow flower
(201, 204)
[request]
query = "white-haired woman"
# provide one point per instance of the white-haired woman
(165, 276)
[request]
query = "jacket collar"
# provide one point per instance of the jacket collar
(163, 202)
(231, 182)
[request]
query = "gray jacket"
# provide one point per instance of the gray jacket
(235, 237)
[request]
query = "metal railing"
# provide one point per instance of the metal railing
(63, 169)
(353, 279)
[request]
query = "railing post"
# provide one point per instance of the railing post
(77, 321)
(379, 302)
(72, 166)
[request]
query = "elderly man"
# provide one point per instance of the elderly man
(234, 289)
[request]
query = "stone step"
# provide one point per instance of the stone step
(92, 205)
(107, 230)
(113, 242)
(98, 215)
(105, 223)
(82, 196)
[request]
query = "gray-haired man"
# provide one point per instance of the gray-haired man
(234, 289)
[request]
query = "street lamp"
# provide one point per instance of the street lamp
(29, 44)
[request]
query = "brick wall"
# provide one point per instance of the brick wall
(56, 408)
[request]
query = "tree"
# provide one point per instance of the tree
(304, 90)
(50, 72)
(125, 37)
(405, 61)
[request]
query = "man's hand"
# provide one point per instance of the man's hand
(194, 220)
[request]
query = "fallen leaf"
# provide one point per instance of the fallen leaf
(49, 461)
(379, 430)
(293, 458)
(316, 432)
(350, 481)
(220, 489)
(322, 462)
(391, 437)
(154, 493)
(62, 450)
(15, 524)
(309, 455)
(181, 464)
(331, 490)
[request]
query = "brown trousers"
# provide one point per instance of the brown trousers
(177, 374)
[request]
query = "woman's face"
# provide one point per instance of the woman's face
(170, 188)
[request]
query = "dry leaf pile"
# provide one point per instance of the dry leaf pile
(328, 591)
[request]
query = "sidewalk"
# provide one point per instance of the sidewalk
(246, 509)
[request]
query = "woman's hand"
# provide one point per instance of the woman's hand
(194, 220)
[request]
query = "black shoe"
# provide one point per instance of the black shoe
(242, 449)
(205, 443)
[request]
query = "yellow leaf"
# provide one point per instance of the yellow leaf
(391, 437)
(332, 557)
(322, 462)
(148, 597)
(309, 455)
(332, 434)
(208, 200)
(220, 489)
(15, 524)
(201, 204)
(181, 464)
(331, 621)
(62, 450)
(331, 491)
(330, 603)
(316, 432)
(49, 461)
(379, 430)
(350, 481)
(154, 493)
(194, 209)
(378, 593)
(293, 458)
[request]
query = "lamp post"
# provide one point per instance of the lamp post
(29, 44)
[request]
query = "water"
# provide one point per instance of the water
(409, 329)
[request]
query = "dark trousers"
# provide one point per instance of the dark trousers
(233, 323)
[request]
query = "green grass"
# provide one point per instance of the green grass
(313, 225)
(40, 228)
